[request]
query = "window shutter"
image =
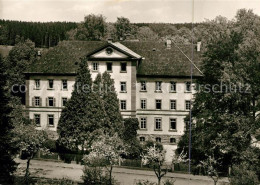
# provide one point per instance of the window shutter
(47, 103)
(33, 104)
(54, 102)
(40, 101)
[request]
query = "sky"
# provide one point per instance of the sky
(138, 11)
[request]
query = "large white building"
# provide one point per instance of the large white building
(152, 80)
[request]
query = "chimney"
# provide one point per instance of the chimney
(168, 43)
(198, 46)
(109, 40)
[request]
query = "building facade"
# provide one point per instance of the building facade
(152, 81)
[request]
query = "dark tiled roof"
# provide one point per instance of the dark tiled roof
(159, 61)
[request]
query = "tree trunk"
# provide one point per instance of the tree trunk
(27, 172)
(159, 180)
(110, 174)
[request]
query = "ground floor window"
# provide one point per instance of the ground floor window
(51, 120)
(37, 119)
(123, 104)
(158, 140)
(142, 139)
(143, 123)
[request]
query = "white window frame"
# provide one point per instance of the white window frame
(124, 107)
(142, 139)
(143, 86)
(158, 86)
(37, 83)
(174, 103)
(38, 102)
(187, 104)
(159, 121)
(158, 139)
(62, 83)
(158, 102)
(123, 87)
(52, 101)
(188, 86)
(95, 66)
(39, 117)
(173, 84)
(170, 124)
(49, 82)
(48, 117)
(143, 123)
(143, 104)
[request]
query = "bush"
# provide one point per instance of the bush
(96, 176)
(145, 182)
(169, 181)
(50, 145)
(243, 175)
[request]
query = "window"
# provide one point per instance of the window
(123, 86)
(173, 104)
(94, 66)
(142, 139)
(187, 124)
(143, 86)
(172, 124)
(64, 101)
(123, 67)
(187, 104)
(143, 104)
(37, 101)
(50, 102)
(158, 123)
(173, 87)
(158, 86)
(37, 119)
(158, 140)
(109, 66)
(51, 84)
(188, 86)
(51, 120)
(158, 104)
(172, 140)
(143, 123)
(64, 84)
(37, 84)
(123, 104)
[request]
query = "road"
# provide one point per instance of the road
(124, 176)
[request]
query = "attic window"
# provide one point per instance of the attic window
(109, 51)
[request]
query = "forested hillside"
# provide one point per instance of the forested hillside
(94, 27)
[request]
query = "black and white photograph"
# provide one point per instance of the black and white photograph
(129, 92)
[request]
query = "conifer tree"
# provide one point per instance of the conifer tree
(7, 164)
(83, 117)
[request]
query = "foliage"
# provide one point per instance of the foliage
(43, 181)
(243, 174)
(146, 34)
(7, 149)
(105, 151)
(30, 141)
(123, 27)
(84, 114)
(144, 182)
(134, 148)
(155, 158)
(225, 108)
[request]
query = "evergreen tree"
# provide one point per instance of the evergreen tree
(84, 115)
(7, 150)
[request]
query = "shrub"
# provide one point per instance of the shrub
(145, 182)
(169, 181)
(243, 175)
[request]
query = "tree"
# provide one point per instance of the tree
(106, 151)
(129, 135)
(123, 27)
(155, 158)
(95, 26)
(7, 149)
(84, 114)
(225, 108)
(146, 34)
(30, 141)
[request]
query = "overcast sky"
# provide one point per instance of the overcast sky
(168, 11)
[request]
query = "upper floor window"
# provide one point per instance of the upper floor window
(123, 104)
(158, 86)
(172, 140)
(158, 104)
(51, 120)
(36, 101)
(143, 104)
(143, 123)
(173, 104)
(172, 124)
(172, 86)
(158, 139)
(95, 66)
(123, 67)
(143, 86)
(109, 66)
(123, 86)
(64, 101)
(64, 84)
(158, 123)
(51, 84)
(187, 104)
(188, 86)
(37, 119)
(50, 102)
(37, 84)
